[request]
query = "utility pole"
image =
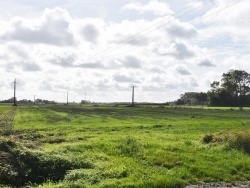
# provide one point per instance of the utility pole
(34, 99)
(67, 98)
(133, 90)
(85, 96)
(15, 93)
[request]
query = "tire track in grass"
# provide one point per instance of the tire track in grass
(7, 118)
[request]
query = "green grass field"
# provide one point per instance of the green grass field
(108, 146)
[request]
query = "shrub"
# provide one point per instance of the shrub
(208, 138)
(235, 139)
(128, 146)
(19, 166)
(241, 140)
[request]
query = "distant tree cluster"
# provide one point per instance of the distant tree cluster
(8, 100)
(25, 101)
(192, 98)
(41, 101)
(233, 90)
(85, 102)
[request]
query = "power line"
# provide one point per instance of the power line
(137, 35)
(191, 23)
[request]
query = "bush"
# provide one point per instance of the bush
(241, 141)
(19, 165)
(235, 139)
(208, 138)
(128, 146)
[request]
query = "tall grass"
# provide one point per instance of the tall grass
(235, 139)
(20, 166)
(106, 146)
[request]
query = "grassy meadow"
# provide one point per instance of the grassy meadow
(116, 146)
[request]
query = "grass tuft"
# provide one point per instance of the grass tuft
(128, 146)
(208, 138)
(241, 140)
(235, 139)
(19, 165)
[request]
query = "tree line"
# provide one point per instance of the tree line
(232, 90)
(26, 101)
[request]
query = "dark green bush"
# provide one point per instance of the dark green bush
(241, 140)
(208, 138)
(19, 166)
(235, 139)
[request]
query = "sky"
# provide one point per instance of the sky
(98, 49)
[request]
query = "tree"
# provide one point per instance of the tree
(192, 98)
(234, 89)
(236, 82)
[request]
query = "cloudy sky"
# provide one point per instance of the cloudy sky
(103, 47)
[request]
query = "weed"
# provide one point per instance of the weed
(157, 126)
(208, 138)
(106, 146)
(241, 140)
(188, 142)
(128, 146)
(163, 182)
(18, 165)
(55, 140)
(235, 139)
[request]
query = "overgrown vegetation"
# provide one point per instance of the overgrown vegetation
(106, 146)
(233, 90)
(19, 165)
(235, 139)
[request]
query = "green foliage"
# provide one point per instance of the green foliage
(19, 166)
(107, 146)
(235, 139)
(234, 89)
(208, 138)
(192, 98)
(92, 176)
(129, 146)
(242, 141)
(164, 182)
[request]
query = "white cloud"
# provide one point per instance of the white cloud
(58, 52)
(231, 19)
(182, 69)
(131, 79)
(30, 66)
(206, 63)
(90, 33)
(154, 6)
(132, 39)
(195, 4)
(92, 65)
(182, 30)
(64, 60)
(181, 51)
(53, 28)
(131, 62)
(11, 8)
(156, 69)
